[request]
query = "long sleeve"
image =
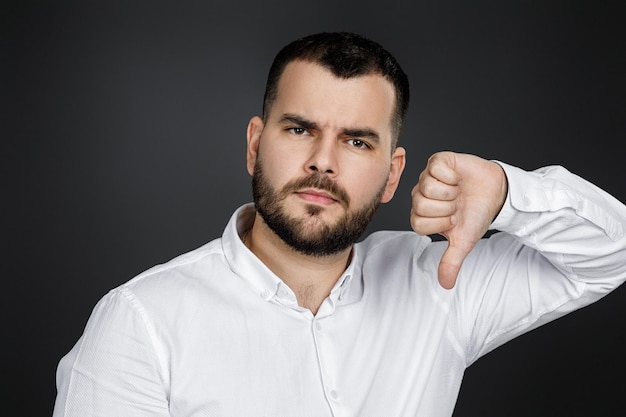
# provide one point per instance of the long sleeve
(114, 369)
(563, 247)
(578, 227)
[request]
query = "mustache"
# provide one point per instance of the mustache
(319, 181)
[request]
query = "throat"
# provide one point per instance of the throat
(311, 296)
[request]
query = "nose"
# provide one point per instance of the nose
(323, 157)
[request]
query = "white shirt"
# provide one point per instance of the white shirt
(215, 333)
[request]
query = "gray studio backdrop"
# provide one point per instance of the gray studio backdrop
(123, 140)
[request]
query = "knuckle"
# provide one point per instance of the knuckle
(429, 188)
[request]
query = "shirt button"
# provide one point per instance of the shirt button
(333, 394)
(318, 326)
(265, 293)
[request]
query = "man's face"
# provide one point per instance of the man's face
(322, 162)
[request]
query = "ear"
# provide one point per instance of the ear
(398, 160)
(255, 128)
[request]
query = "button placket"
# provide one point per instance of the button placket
(325, 357)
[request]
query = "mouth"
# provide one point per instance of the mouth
(316, 196)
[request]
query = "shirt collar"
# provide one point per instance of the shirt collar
(241, 260)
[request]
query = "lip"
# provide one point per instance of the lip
(316, 196)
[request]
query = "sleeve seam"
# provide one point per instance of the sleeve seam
(150, 329)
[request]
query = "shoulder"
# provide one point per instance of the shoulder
(384, 237)
(182, 273)
(403, 249)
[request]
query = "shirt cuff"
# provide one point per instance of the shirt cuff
(525, 194)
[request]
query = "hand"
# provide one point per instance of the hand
(457, 196)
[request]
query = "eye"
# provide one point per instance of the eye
(298, 131)
(358, 143)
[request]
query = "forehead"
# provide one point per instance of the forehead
(312, 91)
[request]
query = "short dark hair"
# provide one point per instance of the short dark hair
(346, 55)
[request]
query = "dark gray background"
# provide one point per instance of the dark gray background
(123, 145)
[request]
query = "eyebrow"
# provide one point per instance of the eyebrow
(289, 118)
(357, 132)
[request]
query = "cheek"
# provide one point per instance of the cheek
(278, 168)
(365, 186)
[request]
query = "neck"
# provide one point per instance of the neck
(311, 278)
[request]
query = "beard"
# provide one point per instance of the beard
(309, 235)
